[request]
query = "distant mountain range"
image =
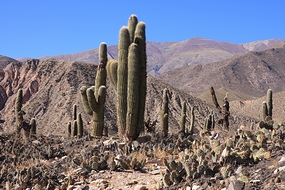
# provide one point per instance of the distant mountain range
(246, 76)
(165, 56)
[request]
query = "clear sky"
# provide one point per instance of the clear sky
(36, 28)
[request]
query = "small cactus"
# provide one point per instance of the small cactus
(183, 117)
(190, 130)
(164, 113)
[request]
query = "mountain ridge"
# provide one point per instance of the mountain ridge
(164, 56)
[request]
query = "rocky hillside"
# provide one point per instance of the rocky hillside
(166, 56)
(4, 61)
(246, 76)
(51, 87)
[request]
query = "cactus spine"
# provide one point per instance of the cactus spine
(93, 98)
(164, 113)
(128, 75)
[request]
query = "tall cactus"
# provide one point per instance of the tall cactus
(269, 102)
(18, 108)
(93, 98)
(164, 113)
(128, 75)
(183, 117)
(190, 130)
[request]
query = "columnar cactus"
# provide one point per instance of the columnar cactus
(18, 108)
(190, 130)
(29, 128)
(128, 75)
(79, 126)
(93, 98)
(164, 113)
(33, 126)
(269, 102)
(226, 112)
(183, 117)
(267, 107)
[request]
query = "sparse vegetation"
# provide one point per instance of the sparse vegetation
(204, 147)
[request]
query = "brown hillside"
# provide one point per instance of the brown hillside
(247, 75)
(51, 87)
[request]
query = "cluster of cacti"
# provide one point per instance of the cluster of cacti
(75, 127)
(128, 75)
(267, 107)
(93, 98)
(225, 109)
(210, 156)
(164, 113)
(29, 128)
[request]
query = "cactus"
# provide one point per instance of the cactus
(214, 98)
(190, 130)
(69, 129)
(226, 112)
(79, 126)
(269, 102)
(33, 126)
(183, 117)
(75, 128)
(93, 98)
(267, 107)
(128, 75)
(164, 113)
(18, 108)
(20, 122)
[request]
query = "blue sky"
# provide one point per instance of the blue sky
(36, 28)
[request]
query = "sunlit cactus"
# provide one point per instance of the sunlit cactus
(128, 75)
(93, 98)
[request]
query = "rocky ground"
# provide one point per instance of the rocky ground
(215, 159)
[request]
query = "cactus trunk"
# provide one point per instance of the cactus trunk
(93, 98)
(129, 78)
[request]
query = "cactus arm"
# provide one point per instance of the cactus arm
(132, 23)
(264, 110)
(84, 100)
(91, 99)
(112, 68)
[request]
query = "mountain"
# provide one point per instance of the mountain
(165, 56)
(4, 61)
(51, 88)
(248, 75)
